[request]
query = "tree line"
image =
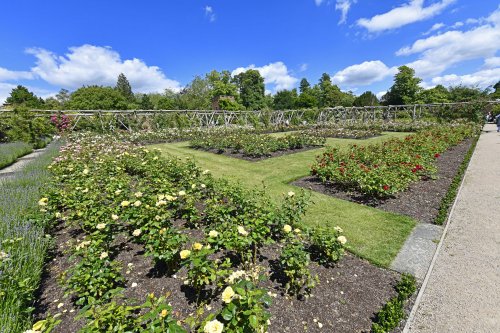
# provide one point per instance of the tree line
(246, 91)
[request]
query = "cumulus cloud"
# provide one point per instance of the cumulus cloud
(482, 78)
(363, 74)
(343, 6)
(318, 2)
(275, 73)
(408, 13)
(304, 67)
(89, 64)
(7, 75)
(439, 52)
(209, 13)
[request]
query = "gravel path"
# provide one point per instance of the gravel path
(19, 164)
(461, 292)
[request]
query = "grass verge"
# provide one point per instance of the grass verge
(23, 243)
(10, 152)
(372, 234)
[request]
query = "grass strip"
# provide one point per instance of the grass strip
(10, 152)
(452, 192)
(23, 243)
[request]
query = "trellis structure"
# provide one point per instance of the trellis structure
(110, 119)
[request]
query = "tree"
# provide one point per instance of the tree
(496, 92)
(124, 88)
(463, 93)
(221, 84)
(97, 98)
(285, 100)
(251, 88)
(21, 96)
(196, 95)
(438, 94)
(306, 99)
(366, 99)
(145, 103)
(405, 89)
(63, 97)
(329, 94)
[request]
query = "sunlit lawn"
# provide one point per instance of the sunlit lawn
(372, 234)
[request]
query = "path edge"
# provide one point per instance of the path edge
(414, 309)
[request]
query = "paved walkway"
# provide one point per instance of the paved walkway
(19, 164)
(461, 292)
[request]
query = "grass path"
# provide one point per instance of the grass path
(372, 234)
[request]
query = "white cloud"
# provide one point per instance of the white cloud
(440, 52)
(209, 12)
(482, 78)
(318, 2)
(492, 62)
(410, 12)
(7, 75)
(88, 65)
(275, 73)
(344, 6)
(5, 89)
(304, 67)
(363, 74)
(435, 27)
(380, 94)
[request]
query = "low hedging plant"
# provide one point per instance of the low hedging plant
(10, 152)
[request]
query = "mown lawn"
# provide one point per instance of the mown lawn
(372, 234)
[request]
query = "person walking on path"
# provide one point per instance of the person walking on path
(497, 120)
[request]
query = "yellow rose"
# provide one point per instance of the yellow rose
(213, 234)
(227, 295)
(163, 313)
(287, 228)
(85, 171)
(197, 246)
(242, 231)
(181, 193)
(213, 326)
(137, 203)
(137, 232)
(125, 203)
(291, 194)
(342, 240)
(114, 217)
(184, 254)
(43, 201)
(338, 229)
(104, 255)
(138, 194)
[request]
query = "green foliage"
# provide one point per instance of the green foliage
(285, 100)
(438, 94)
(21, 96)
(154, 315)
(145, 103)
(366, 99)
(195, 96)
(329, 94)
(245, 312)
(95, 278)
(327, 244)
(294, 262)
(22, 125)
(393, 312)
(463, 93)
(405, 89)
(124, 88)
(10, 152)
(164, 245)
(251, 89)
(97, 98)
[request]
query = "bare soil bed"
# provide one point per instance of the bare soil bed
(421, 201)
(345, 300)
(242, 156)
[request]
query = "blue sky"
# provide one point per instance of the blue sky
(49, 45)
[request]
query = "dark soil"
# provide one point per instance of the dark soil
(345, 300)
(422, 199)
(259, 158)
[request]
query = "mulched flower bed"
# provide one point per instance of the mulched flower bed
(345, 300)
(242, 156)
(422, 199)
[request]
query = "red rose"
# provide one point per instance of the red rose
(436, 155)
(386, 187)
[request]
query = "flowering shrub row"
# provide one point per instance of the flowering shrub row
(109, 192)
(389, 167)
(254, 145)
(341, 133)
